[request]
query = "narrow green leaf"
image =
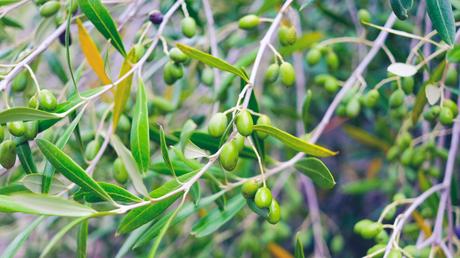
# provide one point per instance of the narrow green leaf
(33, 182)
(43, 205)
(12, 249)
(401, 8)
(10, 22)
(262, 212)
(317, 171)
(140, 143)
(195, 193)
(116, 193)
(82, 237)
(130, 163)
(25, 156)
(453, 55)
(123, 88)
(186, 132)
(212, 61)
(69, 168)
(442, 17)
(294, 142)
(7, 2)
(217, 218)
(131, 239)
(164, 151)
(298, 253)
(25, 114)
(306, 108)
(100, 17)
(56, 66)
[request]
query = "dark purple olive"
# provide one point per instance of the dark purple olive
(62, 38)
(457, 231)
(156, 17)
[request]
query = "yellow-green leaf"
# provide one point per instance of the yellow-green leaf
(317, 171)
(123, 88)
(92, 54)
(294, 142)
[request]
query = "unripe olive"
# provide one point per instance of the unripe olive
(353, 108)
(20, 82)
(392, 153)
(263, 120)
(7, 154)
(446, 117)
(244, 123)
(229, 156)
(432, 113)
(408, 85)
(177, 55)
(394, 254)
(156, 17)
(217, 125)
(172, 72)
(376, 248)
(263, 197)
(371, 98)
(451, 105)
(451, 76)
(320, 79)
(406, 156)
(287, 35)
(361, 225)
(139, 51)
(238, 141)
(274, 212)
(33, 102)
(207, 76)
(399, 197)
(313, 56)
(188, 27)
(124, 125)
(404, 140)
(120, 174)
(16, 128)
(371, 230)
(2, 133)
(364, 16)
(287, 74)
(248, 22)
(331, 85)
(163, 104)
(168, 77)
(249, 188)
(382, 237)
(419, 157)
(332, 60)
(49, 8)
(337, 244)
(341, 110)
(31, 130)
(397, 98)
(434, 172)
(92, 149)
(47, 100)
(271, 75)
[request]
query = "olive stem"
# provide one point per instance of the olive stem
(393, 205)
(276, 53)
(259, 161)
(144, 32)
(264, 19)
(385, 81)
(184, 9)
(164, 45)
(32, 75)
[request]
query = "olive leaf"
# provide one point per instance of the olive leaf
(433, 93)
(402, 69)
(123, 88)
(117, 193)
(212, 61)
(100, 17)
(82, 237)
(140, 144)
(33, 182)
(43, 205)
(25, 114)
(401, 8)
(306, 107)
(453, 55)
(130, 164)
(71, 170)
(91, 53)
(442, 17)
(294, 142)
(25, 157)
(317, 171)
(12, 249)
(7, 2)
(365, 137)
(217, 218)
(164, 152)
(56, 66)
(298, 253)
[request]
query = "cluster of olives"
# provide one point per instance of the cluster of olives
(287, 34)
(244, 124)
(315, 54)
(262, 197)
(350, 106)
(445, 113)
(329, 82)
(285, 72)
(173, 70)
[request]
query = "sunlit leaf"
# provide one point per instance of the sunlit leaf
(33, 182)
(442, 17)
(123, 89)
(403, 70)
(12, 249)
(140, 143)
(317, 171)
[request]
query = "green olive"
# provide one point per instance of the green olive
(287, 74)
(337, 244)
(397, 98)
(33, 102)
(431, 114)
(406, 156)
(341, 110)
(371, 98)
(404, 140)
(263, 120)
(451, 105)
(139, 51)
(163, 104)
(124, 124)
(263, 197)
(313, 56)
(408, 85)
(393, 153)
(92, 149)
(287, 35)
(320, 79)
(188, 27)
(452, 76)
(217, 125)
(248, 22)
(168, 77)
(434, 172)
(120, 174)
(371, 230)
(7, 154)
(394, 254)
(238, 141)
(420, 155)
(229, 156)
(332, 60)
(331, 85)
(244, 123)
(364, 16)
(250, 188)
(361, 225)
(353, 108)
(382, 237)
(177, 55)
(31, 130)
(207, 76)
(375, 249)
(47, 100)
(271, 75)
(49, 8)
(16, 128)
(446, 117)
(274, 212)
(20, 82)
